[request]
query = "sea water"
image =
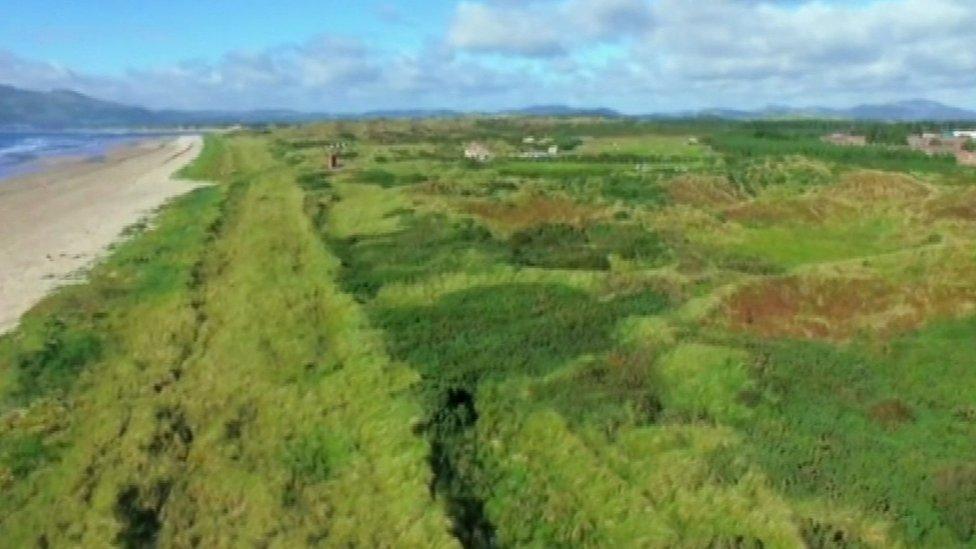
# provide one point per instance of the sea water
(22, 152)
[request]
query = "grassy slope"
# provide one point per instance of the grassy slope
(220, 411)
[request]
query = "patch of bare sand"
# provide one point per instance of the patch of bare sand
(57, 222)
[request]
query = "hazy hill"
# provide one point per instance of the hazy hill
(60, 108)
(563, 110)
(899, 111)
(63, 109)
(915, 109)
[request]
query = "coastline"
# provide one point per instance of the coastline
(31, 151)
(62, 217)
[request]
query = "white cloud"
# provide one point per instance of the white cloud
(817, 50)
(545, 28)
(638, 55)
(326, 73)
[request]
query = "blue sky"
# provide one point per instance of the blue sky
(109, 36)
(634, 55)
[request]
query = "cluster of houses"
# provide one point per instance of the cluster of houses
(949, 142)
(533, 148)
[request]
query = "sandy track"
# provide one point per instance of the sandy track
(59, 221)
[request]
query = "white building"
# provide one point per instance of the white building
(964, 133)
(477, 151)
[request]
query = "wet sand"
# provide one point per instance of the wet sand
(58, 221)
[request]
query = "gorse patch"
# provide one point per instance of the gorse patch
(567, 247)
(426, 245)
(20, 454)
(54, 365)
(484, 336)
(498, 331)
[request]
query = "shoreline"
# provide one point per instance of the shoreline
(100, 143)
(61, 218)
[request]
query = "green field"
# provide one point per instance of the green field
(755, 341)
(643, 145)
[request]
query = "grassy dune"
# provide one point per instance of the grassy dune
(220, 391)
(755, 342)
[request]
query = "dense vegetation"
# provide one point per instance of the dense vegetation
(688, 333)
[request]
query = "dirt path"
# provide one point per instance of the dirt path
(56, 222)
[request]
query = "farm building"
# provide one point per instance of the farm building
(933, 143)
(477, 151)
(953, 143)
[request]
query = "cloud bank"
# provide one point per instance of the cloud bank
(636, 55)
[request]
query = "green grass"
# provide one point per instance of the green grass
(425, 245)
(563, 246)
(742, 144)
(69, 331)
(829, 431)
(418, 351)
(551, 168)
(20, 454)
(187, 372)
(644, 145)
(505, 330)
(790, 245)
(213, 162)
(705, 382)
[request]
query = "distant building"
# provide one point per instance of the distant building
(478, 152)
(846, 139)
(550, 152)
(952, 143)
(933, 143)
(971, 134)
(966, 158)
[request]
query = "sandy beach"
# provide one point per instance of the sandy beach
(57, 221)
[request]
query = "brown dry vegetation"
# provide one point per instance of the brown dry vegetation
(959, 206)
(533, 211)
(838, 307)
(891, 412)
(704, 191)
(870, 185)
(807, 209)
(955, 488)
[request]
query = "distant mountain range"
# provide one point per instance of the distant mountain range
(900, 111)
(59, 109)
